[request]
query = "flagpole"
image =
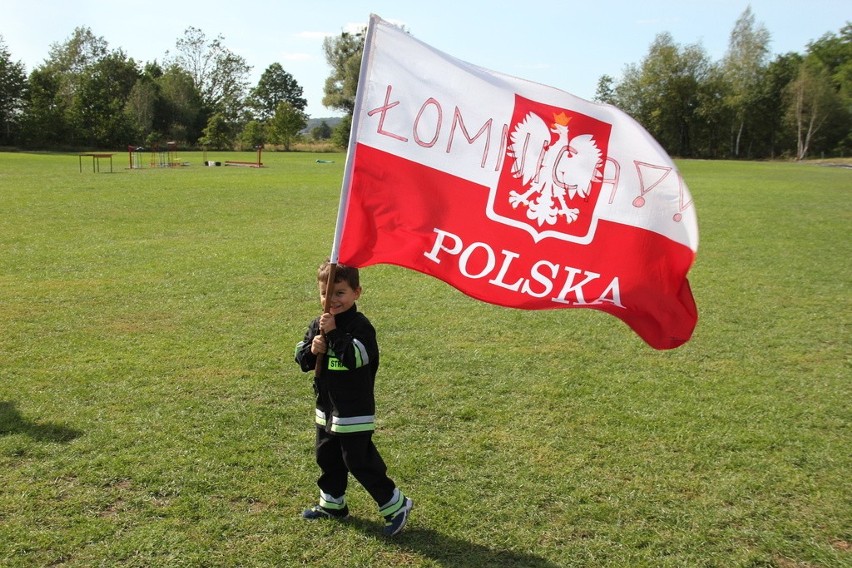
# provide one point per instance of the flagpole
(326, 306)
(347, 176)
(353, 141)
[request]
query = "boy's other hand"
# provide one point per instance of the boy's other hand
(318, 345)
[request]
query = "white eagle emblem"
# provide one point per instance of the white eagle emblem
(552, 169)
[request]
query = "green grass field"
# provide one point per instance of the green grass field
(151, 413)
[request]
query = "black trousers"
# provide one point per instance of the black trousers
(338, 456)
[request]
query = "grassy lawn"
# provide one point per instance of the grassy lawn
(151, 413)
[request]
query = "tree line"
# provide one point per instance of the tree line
(744, 106)
(87, 95)
(747, 105)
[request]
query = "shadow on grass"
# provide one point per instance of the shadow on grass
(449, 551)
(11, 422)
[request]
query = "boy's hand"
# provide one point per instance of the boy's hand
(327, 322)
(318, 345)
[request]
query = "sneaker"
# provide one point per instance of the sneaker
(397, 522)
(317, 512)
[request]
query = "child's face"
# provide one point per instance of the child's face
(342, 298)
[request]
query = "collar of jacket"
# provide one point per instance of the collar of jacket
(343, 318)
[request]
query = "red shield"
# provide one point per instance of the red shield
(552, 172)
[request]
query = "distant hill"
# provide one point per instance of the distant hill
(314, 122)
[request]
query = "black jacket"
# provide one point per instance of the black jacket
(345, 401)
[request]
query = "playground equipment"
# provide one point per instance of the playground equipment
(167, 158)
(134, 153)
(257, 164)
(159, 157)
(96, 160)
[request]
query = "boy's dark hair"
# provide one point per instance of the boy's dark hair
(342, 273)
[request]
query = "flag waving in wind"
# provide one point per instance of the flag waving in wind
(515, 193)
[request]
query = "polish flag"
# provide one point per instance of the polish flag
(515, 193)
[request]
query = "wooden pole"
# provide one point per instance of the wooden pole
(329, 290)
(347, 176)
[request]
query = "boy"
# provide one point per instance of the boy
(345, 404)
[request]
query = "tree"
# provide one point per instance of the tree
(275, 85)
(343, 54)
(286, 124)
(712, 119)
(98, 107)
(219, 75)
(834, 53)
(772, 133)
(72, 59)
(77, 53)
(811, 101)
(341, 132)
(748, 49)
(321, 132)
(55, 85)
(44, 120)
(217, 134)
(605, 92)
(181, 116)
(664, 92)
(13, 90)
(141, 107)
(252, 135)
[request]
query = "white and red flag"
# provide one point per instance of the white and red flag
(515, 193)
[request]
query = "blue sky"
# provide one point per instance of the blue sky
(565, 44)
